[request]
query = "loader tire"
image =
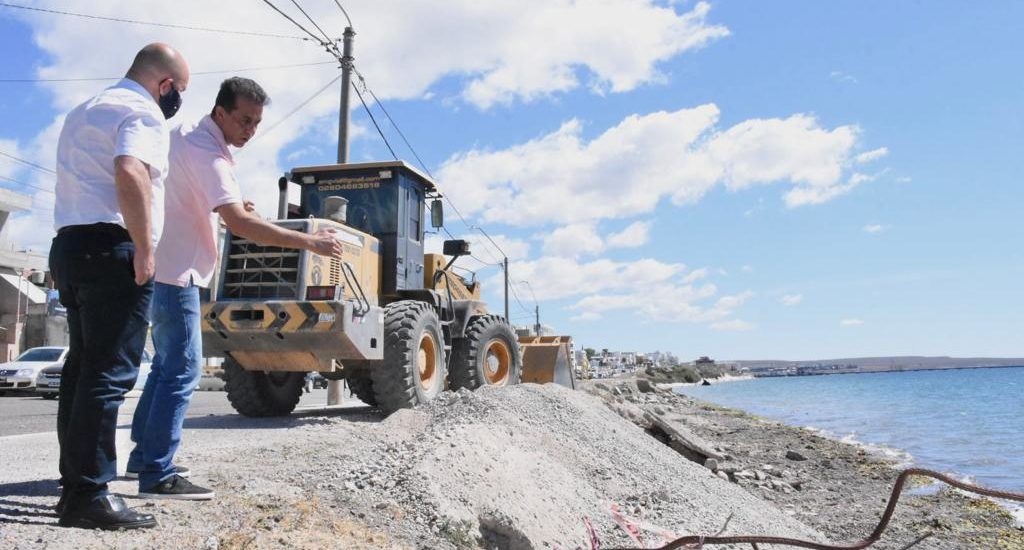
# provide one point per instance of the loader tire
(262, 394)
(487, 356)
(361, 386)
(413, 369)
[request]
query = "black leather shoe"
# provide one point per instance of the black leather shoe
(62, 504)
(109, 512)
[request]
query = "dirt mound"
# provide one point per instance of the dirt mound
(521, 467)
(505, 468)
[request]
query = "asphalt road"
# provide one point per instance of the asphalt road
(29, 414)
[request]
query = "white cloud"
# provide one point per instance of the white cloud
(903, 179)
(869, 156)
(696, 275)
(874, 228)
(851, 322)
(635, 235)
(735, 324)
(573, 240)
(630, 167)
(747, 268)
(792, 299)
(670, 302)
(840, 76)
(582, 239)
(524, 50)
(555, 277)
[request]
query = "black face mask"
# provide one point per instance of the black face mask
(170, 102)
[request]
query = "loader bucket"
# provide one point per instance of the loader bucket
(546, 360)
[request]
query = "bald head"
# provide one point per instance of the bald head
(157, 63)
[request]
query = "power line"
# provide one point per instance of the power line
(512, 289)
(154, 24)
(98, 79)
(32, 164)
(43, 189)
(374, 120)
(297, 108)
(294, 22)
(393, 124)
(327, 38)
(345, 13)
(488, 264)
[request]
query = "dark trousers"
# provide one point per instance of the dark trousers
(108, 319)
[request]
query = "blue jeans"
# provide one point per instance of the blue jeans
(156, 427)
(108, 315)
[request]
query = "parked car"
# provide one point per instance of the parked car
(21, 374)
(48, 379)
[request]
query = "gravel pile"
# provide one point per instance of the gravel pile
(509, 468)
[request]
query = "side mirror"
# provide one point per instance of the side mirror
(456, 248)
(436, 214)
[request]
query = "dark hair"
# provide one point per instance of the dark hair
(230, 89)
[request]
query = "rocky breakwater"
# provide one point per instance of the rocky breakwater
(838, 488)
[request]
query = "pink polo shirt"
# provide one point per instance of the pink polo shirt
(200, 178)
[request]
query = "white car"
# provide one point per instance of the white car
(48, 379)
(21, 373)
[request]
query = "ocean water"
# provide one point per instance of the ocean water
(965, 422)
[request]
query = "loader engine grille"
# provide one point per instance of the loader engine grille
(255, 271)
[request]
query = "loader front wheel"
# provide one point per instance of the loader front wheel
(487, 356)
(413, 369)
(261, 394)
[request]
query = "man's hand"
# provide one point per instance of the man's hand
(325, 244)
(250, 226)
(145, 266)
(134, 196)
(249, 206)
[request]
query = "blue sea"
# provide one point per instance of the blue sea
(965, 422)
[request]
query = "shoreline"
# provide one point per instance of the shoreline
(898, 458)
(838, 487)
(713, 381)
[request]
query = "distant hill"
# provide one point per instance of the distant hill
(908, 362)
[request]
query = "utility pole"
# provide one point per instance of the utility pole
(506, 289)
(346, 79)
(536, 327)
(334, 387)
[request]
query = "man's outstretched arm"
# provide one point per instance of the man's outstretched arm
(252, 227)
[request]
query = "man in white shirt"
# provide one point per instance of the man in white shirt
(111, 161)
(200, 186)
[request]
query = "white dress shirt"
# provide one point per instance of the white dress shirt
(121, 120)
(201, 178)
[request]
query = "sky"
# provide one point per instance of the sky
(743, 180)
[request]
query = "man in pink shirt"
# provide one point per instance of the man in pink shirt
(200, 187)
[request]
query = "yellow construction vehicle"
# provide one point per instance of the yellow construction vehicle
(397, 324)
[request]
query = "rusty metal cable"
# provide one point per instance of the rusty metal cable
(699, 541)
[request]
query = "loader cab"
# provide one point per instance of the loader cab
(386, 200)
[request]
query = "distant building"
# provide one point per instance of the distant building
(24, 280)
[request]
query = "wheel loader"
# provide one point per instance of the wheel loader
(397, 324)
